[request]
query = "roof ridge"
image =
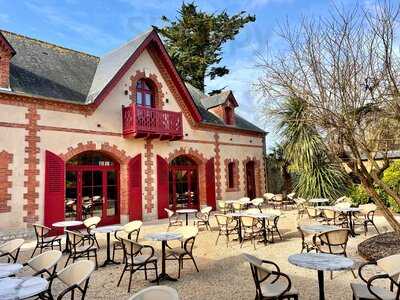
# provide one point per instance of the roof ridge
(47, 43)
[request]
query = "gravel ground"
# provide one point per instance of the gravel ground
(223, 273)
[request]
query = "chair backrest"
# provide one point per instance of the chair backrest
(131, 248)
(76, 273)
(156, 292)
(257, 201)
(244, 199)
(40, 230)
(260, 272)
(329, 213)
(269, 196)
(132, 226)
(74, 237)
(367, 208)
(45, 260)
(237, 205)
(187, 232)
(343, 205)
(291, 196)
(312, 212)
(91, 222)
(278, 197)
(342, 199)
(248, 221)
(221, 204)
(337, 237)
(206, 210)
(170, 213)
(223, 219)
(11, 246)
(391, 265)
(272, 211)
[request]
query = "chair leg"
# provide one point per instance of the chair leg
(180, 266)
(34, 250)
(66, 263)
(156, 269)
(95, 257)
(216, 242)
(194, 262)
(376, 228)
(145, 272)
(122, 275)
(130, 279)
(280, 236)
(331, 275)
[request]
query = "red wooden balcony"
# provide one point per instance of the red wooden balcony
(140, 121)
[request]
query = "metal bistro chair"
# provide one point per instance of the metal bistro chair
(184, 252)
(257, 202)
(44, 239)
(129, 231)
(226, 226)
(76, 277)
(45, 264)
(237, 206)
(11, 249)
(270, 282)
(135, 260)
(250, 229)
(272, 225)
(269, 197)
(278, 201)
(333, 242)
(172, 218)
(223, 207)
(78, 247)
(90, 224)
(366, 217)
(313, 213)
(331, 216)
(156, 292)
(368, 291)
(203, 217)
(307, 241)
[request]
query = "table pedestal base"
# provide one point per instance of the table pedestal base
(321, 285)
(164, 276)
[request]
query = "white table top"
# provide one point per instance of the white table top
(66, 224)
(162, 236)
(9, 269)
(14, 288)
(318, 200)
(348, 209)
(107, 229)
(186, 211)
(261, 215)
(318, 228)
(321, 261)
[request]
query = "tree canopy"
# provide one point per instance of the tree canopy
(195, 38)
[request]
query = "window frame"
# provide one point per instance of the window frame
(143, 92)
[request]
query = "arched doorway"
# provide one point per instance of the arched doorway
(92, 187)
(250, 179)
(183, 183)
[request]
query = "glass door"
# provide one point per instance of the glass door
(184, 188)
(71, 195)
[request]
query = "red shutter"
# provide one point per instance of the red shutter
(54, 196)
(135, 188)
(162, 186)
(210, 183)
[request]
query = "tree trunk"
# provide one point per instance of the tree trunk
(387, 189)
(387, 213)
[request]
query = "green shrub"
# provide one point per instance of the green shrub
(358, 194)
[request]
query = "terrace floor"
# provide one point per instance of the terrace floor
(223, 273)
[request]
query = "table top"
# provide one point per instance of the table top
(9, 269)
(321, 261)
(67, 224)
(318, 200)
(348, 209)
(107, 229)
(13, 288)
(317, 228)
(186, 211)
(261, 215)
(162, 236)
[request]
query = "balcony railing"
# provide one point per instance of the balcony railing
(140, 121)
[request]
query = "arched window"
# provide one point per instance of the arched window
(231, 177)
(228, 115)
(145, 94)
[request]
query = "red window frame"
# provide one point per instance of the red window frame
(143, 91)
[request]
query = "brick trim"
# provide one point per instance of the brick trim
(236, 175)
(159, 95)
(194, 154)
(6, 160)
(217, 150)
(148, 179)
(31, 172)
(257, 174)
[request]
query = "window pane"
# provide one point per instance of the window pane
(148, 100)
(139, 84)
(112, 200)
(71, 196)
(139, 98)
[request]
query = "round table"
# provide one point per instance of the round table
(349, 211)
(163, 237)
(65, 225)
(7, 269)
(321, 262)
(14, 288)
(108, 230)
(317, 228)
(186, 211)
(263, 217)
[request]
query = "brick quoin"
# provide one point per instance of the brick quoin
(31, 172)
(236, 176)
(6, 160)
(218, 189)
(149, 180)
(159, 95)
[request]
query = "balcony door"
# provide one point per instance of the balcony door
(183, 178)
(92, 188)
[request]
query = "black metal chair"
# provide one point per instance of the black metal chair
(272, 228)
(44, 238)
(90, 224)
(130, 231)
(135, 260)
(78, 247)
(270, 282)
(11, 249)
(203, 217)
(366, 217)
(308, 245)
(227, 226)
(250, 229)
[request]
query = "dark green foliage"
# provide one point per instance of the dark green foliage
(195, 39)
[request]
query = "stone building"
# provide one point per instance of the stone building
(119, 136)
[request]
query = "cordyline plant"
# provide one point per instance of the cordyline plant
(345, 68)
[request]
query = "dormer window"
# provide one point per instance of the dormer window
(145, 93)
(228, 115)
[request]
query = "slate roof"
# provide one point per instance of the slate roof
(43, 69)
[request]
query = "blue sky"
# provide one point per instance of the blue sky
(98, 26)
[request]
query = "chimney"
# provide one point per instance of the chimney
(6, 53)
